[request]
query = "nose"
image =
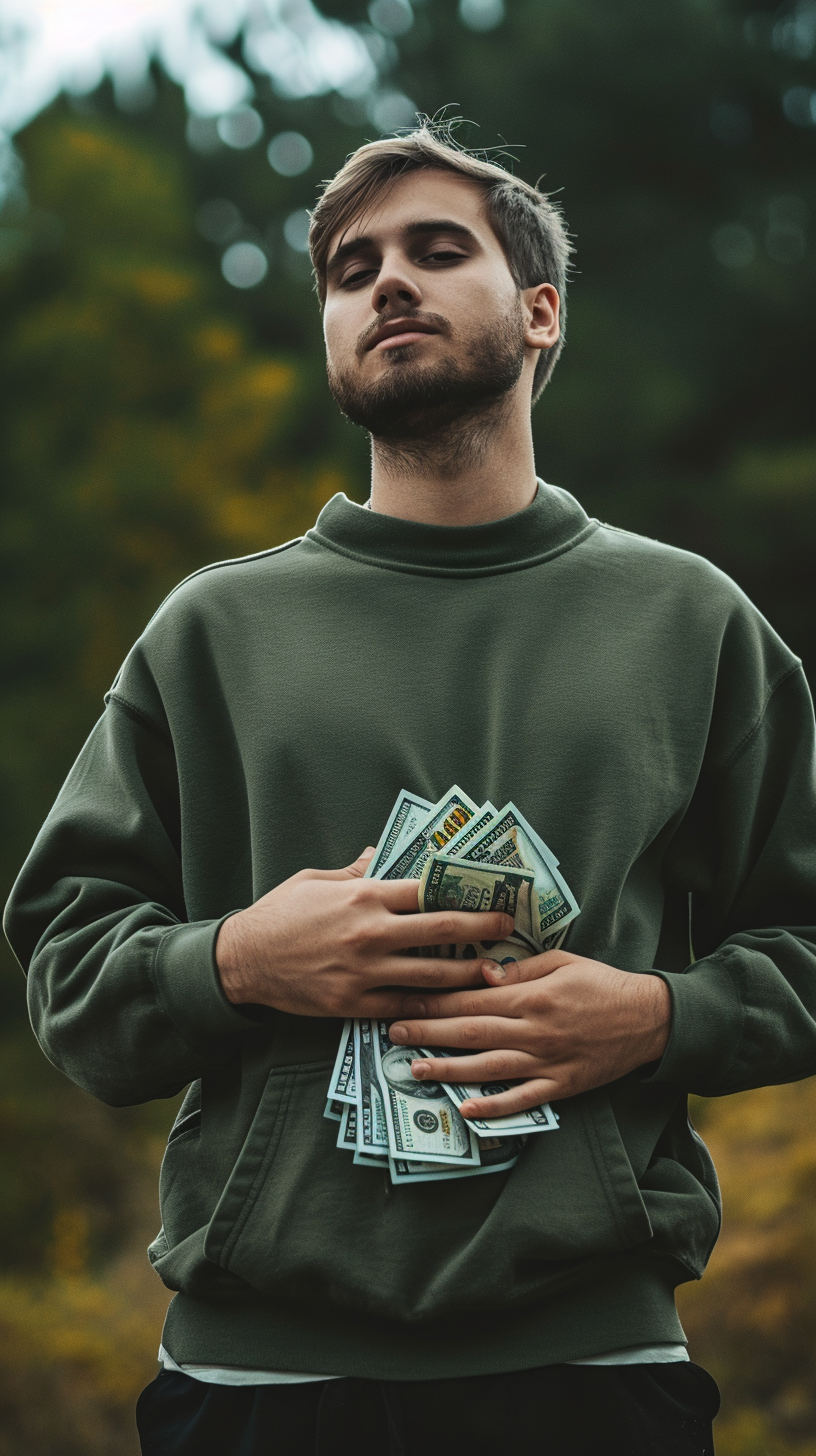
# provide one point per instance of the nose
(395, 286)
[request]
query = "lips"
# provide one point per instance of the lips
(399, 331)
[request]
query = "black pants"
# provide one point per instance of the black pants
(559, 1410)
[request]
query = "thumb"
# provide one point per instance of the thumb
(356, 870)
(511, 972)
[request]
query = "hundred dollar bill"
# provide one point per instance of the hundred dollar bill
(347, 1140)
(510, 840)
(408, 812)
(372, 1130)
(530, 844)
(535, 1119)
(474, 827)
(342, 1086)
(498, 1154)
(505, 952)
(458, 884)
(452, 812)
(519, 1124)
(347, 1131)
(334, 1110)
(423, 1124)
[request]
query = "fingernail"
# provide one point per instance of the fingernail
(369, 849)
(398, 1033)
(419, 1070)
(494, 970)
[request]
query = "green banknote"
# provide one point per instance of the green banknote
(451, 814)
(423, 1124)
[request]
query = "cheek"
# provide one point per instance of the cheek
(340, 333)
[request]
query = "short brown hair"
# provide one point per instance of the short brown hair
(527, 223)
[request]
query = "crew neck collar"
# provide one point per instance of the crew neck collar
(552, 523)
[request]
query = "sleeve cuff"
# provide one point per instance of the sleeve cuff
(190, 987)
(706, 1028)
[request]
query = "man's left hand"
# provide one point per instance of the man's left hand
(557, 1023)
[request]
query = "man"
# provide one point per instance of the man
(471, 625)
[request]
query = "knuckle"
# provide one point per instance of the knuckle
(335, 1002)
(361, 892)
(355, 940)
(446, 925)
(470, 1033)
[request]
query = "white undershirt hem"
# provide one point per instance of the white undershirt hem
(662, 1354)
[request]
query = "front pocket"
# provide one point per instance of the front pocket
(298, 1219)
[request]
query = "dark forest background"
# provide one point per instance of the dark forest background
(155, 416)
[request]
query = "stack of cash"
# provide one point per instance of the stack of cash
(465, 856)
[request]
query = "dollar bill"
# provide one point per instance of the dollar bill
(519, 1124)
(372, 1130)
(458, 884)
(474, 827)
(342, 1086)
(511, 841)
(408, 812)
(347, 1131)
(498, 1154)
(334, 1111)
(505, 952)
(448, 816)
(422, 1122)
(530, 843)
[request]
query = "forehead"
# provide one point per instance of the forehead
(418, 197)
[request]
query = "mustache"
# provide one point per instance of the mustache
(434, 320)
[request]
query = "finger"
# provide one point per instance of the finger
(452, 927)
(354, 871)
(496, 1066)
(482, 1033)
(515, 1100)
(437, 975)
(513, 973)
(480, 1001)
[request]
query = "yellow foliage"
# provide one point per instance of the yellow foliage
(752, 1319)
(784, 472)
(218, 343)
(161, 286)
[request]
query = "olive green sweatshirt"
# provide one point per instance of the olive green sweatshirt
(657, 734)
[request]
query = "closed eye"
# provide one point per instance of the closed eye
(443, 256)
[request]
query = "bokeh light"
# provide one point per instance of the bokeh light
(733, 245)
(245, 265)
(481, 14)
(218, 220)
(296, 230)
(290, 153)
(240, 128)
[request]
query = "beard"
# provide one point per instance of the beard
(441, 414)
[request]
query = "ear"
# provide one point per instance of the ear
(543, 308)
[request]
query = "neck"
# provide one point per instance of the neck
(478, 469)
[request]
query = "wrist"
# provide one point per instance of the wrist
(656, 1025)
(232, 959)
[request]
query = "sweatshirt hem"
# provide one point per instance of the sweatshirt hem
(622, 1302)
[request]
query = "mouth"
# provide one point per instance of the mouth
(399, 332)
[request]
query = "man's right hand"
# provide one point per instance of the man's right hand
(328, 943)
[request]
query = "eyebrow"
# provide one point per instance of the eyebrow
(411, 230)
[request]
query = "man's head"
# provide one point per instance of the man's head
(441, 277)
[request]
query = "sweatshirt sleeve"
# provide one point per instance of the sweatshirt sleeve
(123, 992)
(744, 1012)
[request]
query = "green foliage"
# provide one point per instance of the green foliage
(153, 418)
